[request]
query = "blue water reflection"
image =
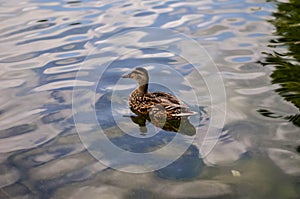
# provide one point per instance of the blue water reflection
(44, 44)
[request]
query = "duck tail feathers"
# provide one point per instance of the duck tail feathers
(184, 114)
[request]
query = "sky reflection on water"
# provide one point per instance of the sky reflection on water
(44, 43)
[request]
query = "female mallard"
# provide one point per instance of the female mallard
(144, 103)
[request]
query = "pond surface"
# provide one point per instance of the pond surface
(46, 45)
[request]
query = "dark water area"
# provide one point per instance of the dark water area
(50, 49)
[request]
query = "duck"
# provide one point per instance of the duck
(159, 105)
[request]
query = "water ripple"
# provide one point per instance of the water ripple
(44, 43)
(246, 76)
(62, 84)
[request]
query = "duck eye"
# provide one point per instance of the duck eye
(137, 75)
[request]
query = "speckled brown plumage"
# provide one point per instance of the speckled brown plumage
(141, 101)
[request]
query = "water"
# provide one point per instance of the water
(255, 45)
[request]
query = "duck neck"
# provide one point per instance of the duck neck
(142, 89)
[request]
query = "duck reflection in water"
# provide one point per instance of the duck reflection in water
(163, 110)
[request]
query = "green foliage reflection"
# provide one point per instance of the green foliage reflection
(287, 65)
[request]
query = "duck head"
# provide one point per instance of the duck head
(140, 75)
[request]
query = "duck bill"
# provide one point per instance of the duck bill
(126, 76)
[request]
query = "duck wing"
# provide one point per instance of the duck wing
(167, 97)
(171, 104)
